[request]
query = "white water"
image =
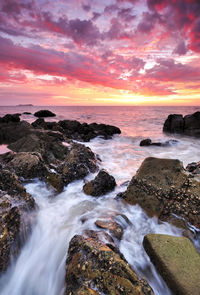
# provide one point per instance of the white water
(40, 268)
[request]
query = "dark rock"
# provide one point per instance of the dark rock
(145, 142)
(26, 113)
(148, 142)
(161, 187)
(12, 131)
(174, 124)
(194, 167)
(10, 118)
(44, 113)
(102, 184)
(79, 162)
(189, 125)
(92, 265)
(112, 226)
(176, 260)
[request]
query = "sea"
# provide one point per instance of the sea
(40, 266)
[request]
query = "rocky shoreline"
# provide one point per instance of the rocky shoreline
(94, 264)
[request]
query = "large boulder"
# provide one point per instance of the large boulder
(98, 268)
(102, 184)
(177, 260)
(44, 113)
(188, 125)
(10, 118)
(161, 187)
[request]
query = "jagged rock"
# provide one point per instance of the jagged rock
(48, 144)
(188, 125)
(102, 184)
(79, 162)
(25, 164)
(95, 267)
(44, 113)
(112, 226)
(12, 131)
(10, 118)
(161, 187)
(176, 260)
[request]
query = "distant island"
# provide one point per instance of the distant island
(24, 105)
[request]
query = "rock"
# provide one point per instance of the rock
(148, 142)
(13, 131)
(55, 180)
(79, 162)
(189, 125)
(27, 113)
(161, 187)
(194, 167)
(10, 118)
(112, 226)
(44, 113)
(48, 144)
(15, 205)
(93, 266)
(176, 260)
(25, 164)
(102, 184)
(174, 124)
(145, 142)
(41, 124)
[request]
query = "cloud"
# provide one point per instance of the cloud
(181, 48)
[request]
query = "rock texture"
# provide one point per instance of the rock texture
(176, 260)
(44, 113)
(188, 125)
(161, 187)
(75, 130)
(112, 226)
(95, 267)
(102, 184)
(15, 204)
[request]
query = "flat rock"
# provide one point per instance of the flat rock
(102, 184)
(177, 260)
(161, 187)
(93, 266)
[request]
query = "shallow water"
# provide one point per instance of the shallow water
(40, 267)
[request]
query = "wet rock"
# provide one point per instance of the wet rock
(44, 113)
(102, 184)
(188, 125)
(93, 265)
(79, 162)
(112, 226)
(12, 131)
(148, 142)
(55, 180)
(162, 188)
(194, 167)
(15, 205)
(25, 164)
(48, 144)
(176, 260)
(27, 113)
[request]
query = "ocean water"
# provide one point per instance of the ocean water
(40, 267)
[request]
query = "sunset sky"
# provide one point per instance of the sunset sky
(100, 52)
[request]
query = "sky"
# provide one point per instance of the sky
(100, 52)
